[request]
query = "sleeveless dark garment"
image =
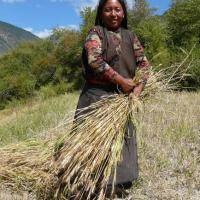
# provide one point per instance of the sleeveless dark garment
(121, 60)
(124, 63)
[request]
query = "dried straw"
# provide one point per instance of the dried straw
(91, 154)
(94, 147)
(27, 166)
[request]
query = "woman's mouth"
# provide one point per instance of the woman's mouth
(114, 21)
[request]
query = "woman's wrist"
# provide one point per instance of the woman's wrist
(138, 89)
(113, 76)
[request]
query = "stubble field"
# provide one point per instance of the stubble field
(168, 134)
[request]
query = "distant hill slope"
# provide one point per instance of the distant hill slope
(11, 36)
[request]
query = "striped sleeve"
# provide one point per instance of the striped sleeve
(141, 60)
(93, 47)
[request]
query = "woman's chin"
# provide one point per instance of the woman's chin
(113, 26)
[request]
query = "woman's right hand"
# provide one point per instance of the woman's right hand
(127, 85)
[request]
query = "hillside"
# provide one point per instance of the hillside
(11, 36)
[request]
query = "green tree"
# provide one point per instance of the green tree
(153, 35)
(68, 56)
(184, 22)
(88, 20)
(151, 30)
(141, 11)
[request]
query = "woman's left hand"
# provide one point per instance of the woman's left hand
(138, 89)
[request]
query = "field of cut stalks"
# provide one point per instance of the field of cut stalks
(168, 134)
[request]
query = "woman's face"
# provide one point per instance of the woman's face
(112, 14)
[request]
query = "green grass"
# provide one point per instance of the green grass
(35, 118)
(168, 135)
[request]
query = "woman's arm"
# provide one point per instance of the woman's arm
(93, 47)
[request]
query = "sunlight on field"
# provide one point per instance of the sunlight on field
(169, 152)
(23, 122)
(168, 134)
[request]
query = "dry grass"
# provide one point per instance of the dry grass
(169, 151)
(169, 156)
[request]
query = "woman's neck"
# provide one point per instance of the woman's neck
(113, 29)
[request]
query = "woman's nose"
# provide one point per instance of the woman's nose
(113, 13)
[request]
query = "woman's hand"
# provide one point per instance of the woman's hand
(138, 89)
(127, 85)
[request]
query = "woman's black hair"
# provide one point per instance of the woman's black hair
(99, 21)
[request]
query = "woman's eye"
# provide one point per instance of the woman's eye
(107, 10)
(118, 10)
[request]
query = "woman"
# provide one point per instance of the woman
(110, 57)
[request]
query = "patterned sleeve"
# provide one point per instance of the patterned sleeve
(141, 60)
(93, 47)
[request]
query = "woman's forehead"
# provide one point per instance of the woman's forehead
(112, 2)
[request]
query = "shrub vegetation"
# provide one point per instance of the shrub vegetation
(54, 63)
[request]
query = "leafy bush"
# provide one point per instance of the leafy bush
(153, 35)
(184, 21)
(55, 61)
(53, 65)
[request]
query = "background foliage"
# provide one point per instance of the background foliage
(53, 65)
